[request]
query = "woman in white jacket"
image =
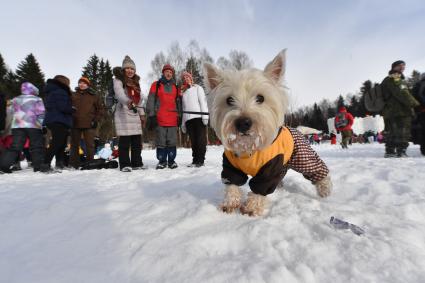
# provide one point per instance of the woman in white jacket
(194, 100)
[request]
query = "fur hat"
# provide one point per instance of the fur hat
(85, 80)
(62, 79)
(128, 63)
(167, 67)
(396, 63)
(29, 88)
(187, 74)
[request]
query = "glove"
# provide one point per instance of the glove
(205, 122)
(131, 106)
(44, 130)
(74, 109)
(93, 124)
(183, 127)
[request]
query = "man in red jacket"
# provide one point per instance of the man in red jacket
(163, 106)
(343, 123)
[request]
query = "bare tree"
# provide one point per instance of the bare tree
(156, 64)
(240, 60)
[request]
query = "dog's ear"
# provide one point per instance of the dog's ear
(212, 76)
(275, 70)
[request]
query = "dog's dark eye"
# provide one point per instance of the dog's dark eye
(259, 99)
(230, 101)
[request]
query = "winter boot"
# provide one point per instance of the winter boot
(161, 165)
(401, 152)
(390, 152)
(172, 165)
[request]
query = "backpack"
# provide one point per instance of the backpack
(374, 99)
(342, 120)
(110, 100)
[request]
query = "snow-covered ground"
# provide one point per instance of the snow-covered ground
(163, 226)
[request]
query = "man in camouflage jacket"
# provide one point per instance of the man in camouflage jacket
(398, 111)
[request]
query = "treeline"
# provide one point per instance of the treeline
(316, 115)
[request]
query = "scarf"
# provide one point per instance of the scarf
(133, 89)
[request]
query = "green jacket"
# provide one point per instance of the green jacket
(398, 100)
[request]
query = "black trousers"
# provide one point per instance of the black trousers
(57, 144)
(124, 144)
(36, 148)
(197, 132)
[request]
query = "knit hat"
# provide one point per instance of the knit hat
(187, 74)
(29, 88)
(128, 63)
(85, 80)
(62, 79)
(167, 67)
(396, 63)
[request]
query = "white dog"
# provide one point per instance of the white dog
(247, 111)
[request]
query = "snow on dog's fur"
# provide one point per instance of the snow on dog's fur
(239, 94)
(247, 109)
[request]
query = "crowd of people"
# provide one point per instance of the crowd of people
(75, 115)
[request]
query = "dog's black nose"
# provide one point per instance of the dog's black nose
(243, 124)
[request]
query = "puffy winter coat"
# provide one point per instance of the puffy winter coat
(127, 123)
(165, 103)
(194, 99)
(58, 103)
(88, 108)
(28, 112)
(344, 115)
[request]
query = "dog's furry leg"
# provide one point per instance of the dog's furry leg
(232, 199)
(324, 187)
(254, 205)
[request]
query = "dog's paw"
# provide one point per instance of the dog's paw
(324, 187)
(232, 199)
(254, 205)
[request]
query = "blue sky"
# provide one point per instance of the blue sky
(333, 46)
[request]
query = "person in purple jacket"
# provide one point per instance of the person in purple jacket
(28, 114)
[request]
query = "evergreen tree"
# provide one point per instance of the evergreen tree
(317, 119)
(106, 127)
(3, 69)
(413, 79)
(91, 71)
(29, 71)
(11, 85)
(340, 102)
(331, 112)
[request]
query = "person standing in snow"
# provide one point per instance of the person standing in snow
(418, 93)
(129, 115)
(194, 99)
(85, 119)
(163, 107)
(343, 123)
(28, 114)
(58, 117)
(3, 107)
(398, 111)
